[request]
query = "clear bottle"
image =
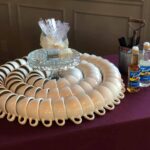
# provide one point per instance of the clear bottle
(134, 71)
(145, 66)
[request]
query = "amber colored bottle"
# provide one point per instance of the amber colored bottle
(134, 71)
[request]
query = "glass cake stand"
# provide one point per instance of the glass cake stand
(53, 61)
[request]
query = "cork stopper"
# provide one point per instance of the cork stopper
(135, 50)
(146, 46)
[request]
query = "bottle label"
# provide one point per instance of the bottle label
(145, 73)
(134, 79)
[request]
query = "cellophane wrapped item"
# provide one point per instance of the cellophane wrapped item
(54, 34)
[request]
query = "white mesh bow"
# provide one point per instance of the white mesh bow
(56, 29)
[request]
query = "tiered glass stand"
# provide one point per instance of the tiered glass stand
(53, 61)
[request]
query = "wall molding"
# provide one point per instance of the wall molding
(19, 6)
(146, 15)
(136, 3)
(76, 12)
(62, 10)
(8, 4)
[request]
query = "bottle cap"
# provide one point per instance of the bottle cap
(146, 46)
(135, 50)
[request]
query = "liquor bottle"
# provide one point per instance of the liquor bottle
(145, 66)
(134, 71)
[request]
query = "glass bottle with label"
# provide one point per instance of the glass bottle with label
(145, 66)
(134, 72)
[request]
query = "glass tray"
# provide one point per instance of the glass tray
(52, 60)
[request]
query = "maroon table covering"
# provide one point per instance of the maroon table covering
(125, 128)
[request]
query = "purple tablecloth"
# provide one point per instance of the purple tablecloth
(125, 128)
